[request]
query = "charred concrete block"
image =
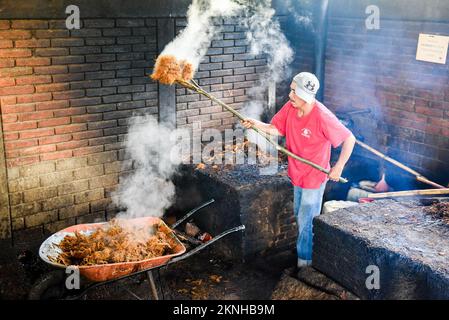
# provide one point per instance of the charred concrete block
(408, 248)
(263, 203)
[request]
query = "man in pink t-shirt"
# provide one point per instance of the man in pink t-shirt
(310, 130)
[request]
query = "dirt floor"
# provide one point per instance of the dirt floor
(203, 276)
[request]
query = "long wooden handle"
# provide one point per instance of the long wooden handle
(418, 176)
(198, 89)
(408, 193)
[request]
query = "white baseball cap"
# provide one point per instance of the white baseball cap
(307, 86)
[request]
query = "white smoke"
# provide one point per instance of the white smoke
(148, 190)
(301, 13)
(263, 32)
(192, 43)
(265, 39)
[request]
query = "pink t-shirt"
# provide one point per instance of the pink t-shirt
(309, 137)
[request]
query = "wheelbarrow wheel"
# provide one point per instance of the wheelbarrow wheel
(50, 286)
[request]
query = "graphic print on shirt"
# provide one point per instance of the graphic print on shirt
(306, 132)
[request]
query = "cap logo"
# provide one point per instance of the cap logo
(310, 86)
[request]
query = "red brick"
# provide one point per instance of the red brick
(4, 24)
(51, 105)
(54, 122)
(407, 115)
(87, 134)
(37, 97)
(50, 70)
(33, 80)
(68, 94)
(15, 34)
(7, 82)
(430, 111)
(8, 136)
(72, 145)
(15, 90)
(18, 108)
(445, 132)
(67, 42)
(8, 118)
(37, 150)
(6, 63)
(407, 123)
(36, 133)
(7, 101)
(87, 150)
(18, 126)
(22, 161)
(6, 44)
(48, 34)
(33, 62)
(55, 139)
(69, 111)
(32, 43)
(15, 53)
(56, 155)
(20, 144)
(29, 24)
(71, 128)
(11, 154)
(52, 87)
(14, 72)
(87, 118)
(439, 122)
(35, 115)
(432, 129)
(50, 52)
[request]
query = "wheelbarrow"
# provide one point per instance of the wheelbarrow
(52, 285)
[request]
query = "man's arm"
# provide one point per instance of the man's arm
(346, 151)
(265, 127)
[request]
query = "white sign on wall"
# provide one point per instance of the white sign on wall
(432, 48)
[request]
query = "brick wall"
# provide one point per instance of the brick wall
(66, 98)
(410, 99)
(227, 71)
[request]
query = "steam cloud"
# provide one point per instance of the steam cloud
(148, 190)
(192, 43)
(265, 39)
(263, 32)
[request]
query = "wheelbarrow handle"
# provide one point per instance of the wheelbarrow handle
(204, 245)
(177, 223)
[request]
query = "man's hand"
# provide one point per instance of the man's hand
(335, 173)
(248, 123)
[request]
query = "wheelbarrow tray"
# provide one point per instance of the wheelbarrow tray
(49, 251)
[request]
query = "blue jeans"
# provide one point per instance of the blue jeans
(306, 206)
